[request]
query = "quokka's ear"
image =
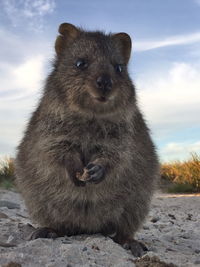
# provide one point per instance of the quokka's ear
(67, 32)
(124, 43)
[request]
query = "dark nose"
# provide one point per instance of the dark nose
(104, 83)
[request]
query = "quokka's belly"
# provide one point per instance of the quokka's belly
(80, 216)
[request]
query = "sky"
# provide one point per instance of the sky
(164, 64)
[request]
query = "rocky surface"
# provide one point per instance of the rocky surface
(171, 232)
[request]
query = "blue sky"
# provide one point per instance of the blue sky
(165, 62)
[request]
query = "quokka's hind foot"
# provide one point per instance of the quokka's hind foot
(43, 232)
(137, 248)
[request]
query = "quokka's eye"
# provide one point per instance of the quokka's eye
(118, 68)
(81, 64)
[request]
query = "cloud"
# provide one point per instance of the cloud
(171, 101)
(19, 92)
(27, 11)
(22, 70)
(179, 151)
(173, 40)
(20, 86)
(23, 79)
(23, 64)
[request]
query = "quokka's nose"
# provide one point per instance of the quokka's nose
(104, 83)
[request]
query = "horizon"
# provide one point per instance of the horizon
(164, 64)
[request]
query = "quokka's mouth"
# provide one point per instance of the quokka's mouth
(102, 99)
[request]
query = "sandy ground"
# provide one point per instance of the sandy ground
(171, 232)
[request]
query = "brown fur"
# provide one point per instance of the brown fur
(71, 128)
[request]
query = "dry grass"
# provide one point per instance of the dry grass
(184, 175)
(7, 173)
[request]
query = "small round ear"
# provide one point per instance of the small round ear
(124, 42)
(68, 32)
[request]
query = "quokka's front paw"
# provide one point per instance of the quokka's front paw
(96, 172)
(92, 173)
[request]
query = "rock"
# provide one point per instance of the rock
(9, 204)
(7, 245)
(185, 236)
(189, 217)
(170, 241)
(154, 261)
(12, 264)
(66, 241)
(197, 261)
(3, 216)
(95, 247)
(155, 219)
(172, 216)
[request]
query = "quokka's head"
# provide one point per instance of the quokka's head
(91, 68)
